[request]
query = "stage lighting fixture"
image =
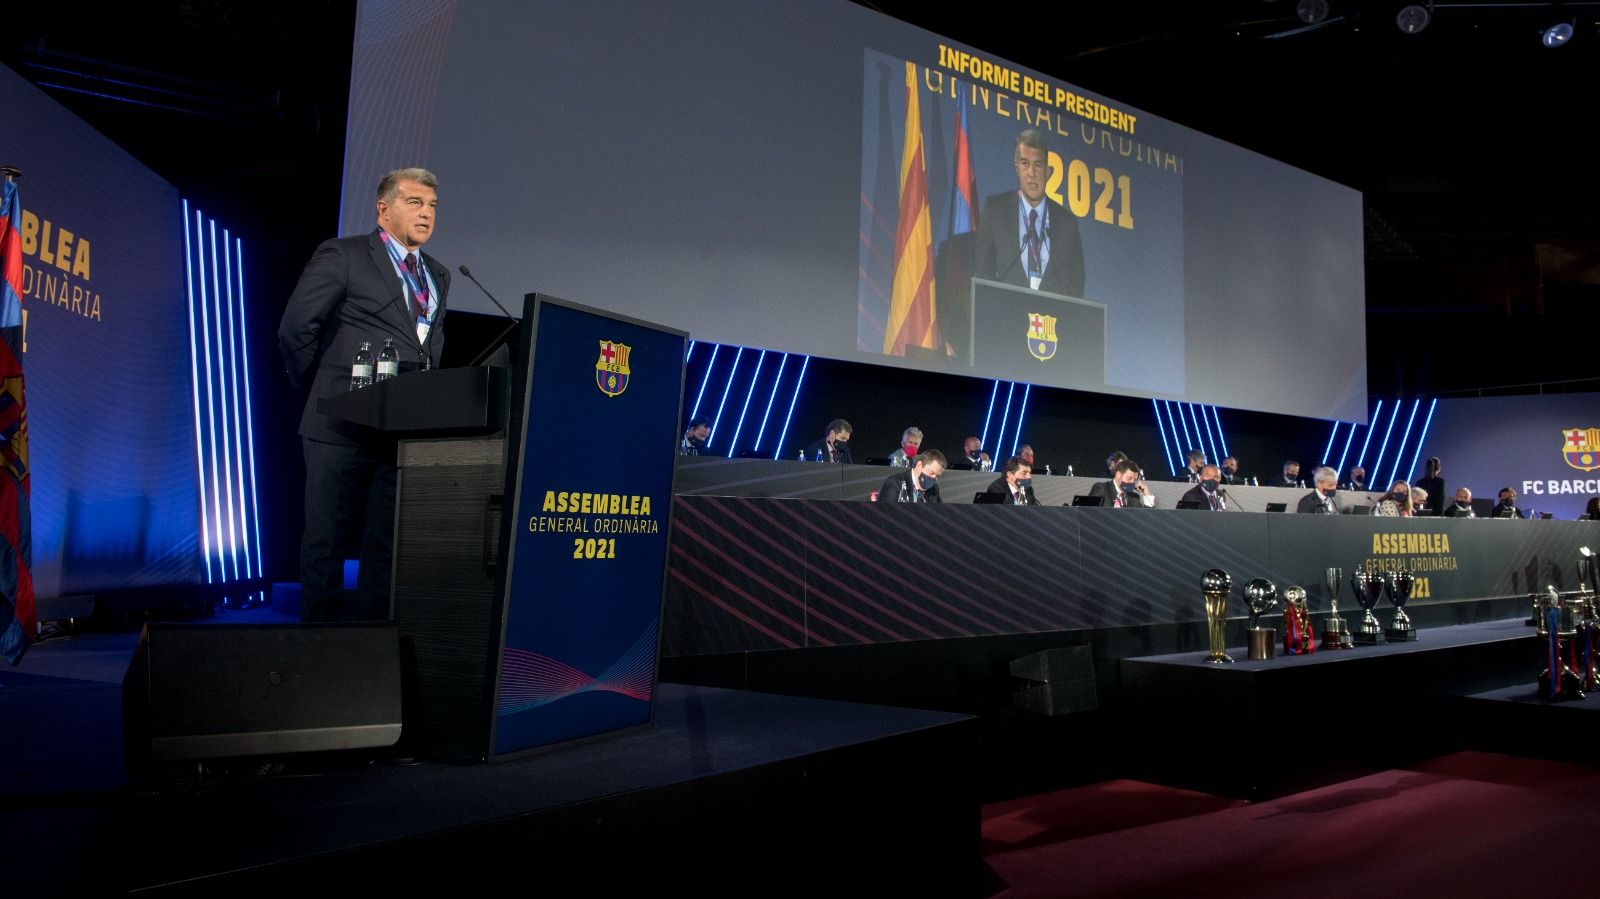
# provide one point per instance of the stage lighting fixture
(1558, 34)
(1413, 19)
(1311, 11)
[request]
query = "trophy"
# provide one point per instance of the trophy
(1297, 639)
(1215, 584)
(1368, 587)
(1399, 586)
(1335, 633)
(1561, 625)
(1261, 595)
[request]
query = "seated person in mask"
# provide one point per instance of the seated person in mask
(1358, 479)
(1419, 501)
(919, 483)
(1013, 483)
(1396, 503)
(1507, 507)
(694, 437)
(1291, 475)
(1229, 474)
(1209, 493)
(834, 446)
(910, 442)
(1196, 460)
(1462, 507)
(972, 448)
(1126, 489)
(1321, 500)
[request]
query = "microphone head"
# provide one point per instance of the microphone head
(464, 270)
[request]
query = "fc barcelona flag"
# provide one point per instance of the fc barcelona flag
(17, 624)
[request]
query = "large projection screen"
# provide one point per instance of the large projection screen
(741, 170)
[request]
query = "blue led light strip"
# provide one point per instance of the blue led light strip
(249, 407)
(1346, 453)
(688, 353)
(1221, 437)
(1400, 450)
(725, 388)
(1156, 405)
(237, 370)
(1016, 439)
(993, 392)
(1005, 416)
(1328, 450)
(776, 380)
(194, 368)
(211, 399)
(1378, 462)
(1372, 425)
(1211, 439)
(797, 382)
(222, 358)
(1188, 441)
(706, 379)
(1421, 437)
(1200, 436)
(749, 392)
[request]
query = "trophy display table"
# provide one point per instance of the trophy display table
(1519, 720)
(1252, 728)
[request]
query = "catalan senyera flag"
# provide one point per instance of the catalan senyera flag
(913, 317)
(17, 623)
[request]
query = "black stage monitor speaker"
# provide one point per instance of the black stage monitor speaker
(212, 691)
(1062, 681)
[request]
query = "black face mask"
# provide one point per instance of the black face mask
(1230, 472)
(925, 482)
(1210, 484)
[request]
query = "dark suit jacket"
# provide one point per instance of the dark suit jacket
(348, 293)
(1000, 486)
(1107, 490)
(1435, 488)
(821, 446)
(1500, 509)
(1311, 503)
(900, 482)
(1188, 477)
(1455, 511)
(1000, 249)
(1198, 495)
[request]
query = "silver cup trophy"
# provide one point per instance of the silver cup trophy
(1335, 633)
(1399, 585)
(1261, 596)
(1215, 584)
(1368, 587)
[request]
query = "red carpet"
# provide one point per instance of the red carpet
(1468, 824)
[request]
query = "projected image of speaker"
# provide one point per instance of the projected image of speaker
(215, 691)
(1057, 340)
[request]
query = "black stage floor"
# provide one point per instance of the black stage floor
(726, 786)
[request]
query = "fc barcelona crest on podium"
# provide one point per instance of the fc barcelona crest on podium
(1581, 448)
(1041, 336)
(611, 371)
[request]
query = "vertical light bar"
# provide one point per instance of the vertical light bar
(749, 392)
(776, 380)
(238, 428)
(1005, 416)
(1372, 425)
(1346, 453)
(1412, 469)
(1400, 450)
(688, 352)
(194, 367)
(1221, 437)
(725, 388)
(211, 399)
(993, 392)
(1211, 438)
(222, 393)
(1200, 436)
(797, 382)
(1016, 439)
(249, 408)
(706, 379)
(1378, 462)
(1188, 442)
(1328, 450)
(1156, 404)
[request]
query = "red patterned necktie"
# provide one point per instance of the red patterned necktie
(421, 297)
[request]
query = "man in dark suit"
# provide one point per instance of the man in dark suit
(917, 484)
(1126, 489)
(363, 289)
(1321, 500)
(1507, 507)
(834, 446)
(1208, 491)
(1012, 483)
(1192, 468)
(1026, 239)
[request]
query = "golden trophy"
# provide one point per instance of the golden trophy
(1215, 584)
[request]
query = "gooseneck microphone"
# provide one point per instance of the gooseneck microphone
(498, 338)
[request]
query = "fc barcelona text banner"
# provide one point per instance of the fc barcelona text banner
(1546, 448)
(589, 538)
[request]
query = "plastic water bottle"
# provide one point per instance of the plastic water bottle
(802, 456)
(361, 369)
(388, 360)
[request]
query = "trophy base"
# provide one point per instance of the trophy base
(1219, 659)
(1403, 635)
(1263, 643)
(1335, 635)
(1365, 638)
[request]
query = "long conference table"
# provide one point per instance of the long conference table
(774, 555)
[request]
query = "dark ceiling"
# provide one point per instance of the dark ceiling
(1470, 141)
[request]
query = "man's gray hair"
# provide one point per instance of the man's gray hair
(912, 431)
(1324, 474)
(389, 184)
